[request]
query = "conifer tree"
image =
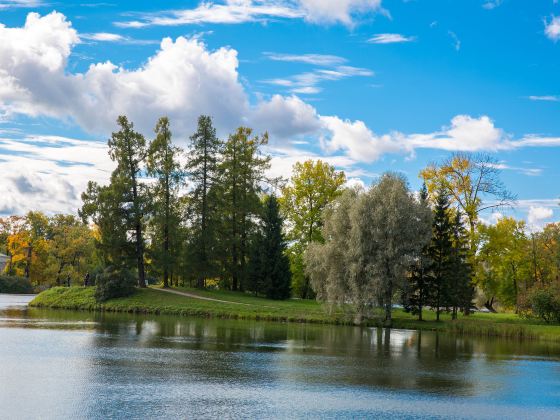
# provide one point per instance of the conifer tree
(461, 291)
(441, 252)
(421, 279)
(269, 267)
(202, 167)
(163, 164)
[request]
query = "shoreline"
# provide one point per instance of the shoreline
(153, 302)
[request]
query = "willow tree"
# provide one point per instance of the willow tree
(371, 240)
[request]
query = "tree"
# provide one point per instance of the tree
(440, 251)
(313, 185)
(163, 164)
(269, 268)
(371, 240)
(421, 281)
(202, 167)
(119, 208)
(461, 290)
(472, 182)
(241, 176)
(505, 262)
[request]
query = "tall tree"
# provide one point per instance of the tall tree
(461, 291)
(370, 242)
(202, 167)
(421, 279)
(120, 206)
(472, 182)
(269, 267)
(313, 185)
(242, 172)
(441, 251)
(163, 164)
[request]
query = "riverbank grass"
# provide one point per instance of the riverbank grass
(243, 306)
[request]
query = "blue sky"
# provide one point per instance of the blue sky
(368, 85)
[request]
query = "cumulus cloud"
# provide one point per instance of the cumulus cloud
(182, 80)
(241, 11)
(552, 28)
(538, 214)
(390, 39)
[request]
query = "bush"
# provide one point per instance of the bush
(114, 283)
(15, 284)
(544, 303)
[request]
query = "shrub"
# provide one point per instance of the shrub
(544, 303)
(15, 284)
(113, 283)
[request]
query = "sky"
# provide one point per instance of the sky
(366, 85)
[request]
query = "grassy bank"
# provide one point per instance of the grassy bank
(243, 306)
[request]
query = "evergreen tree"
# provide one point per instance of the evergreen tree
(163, 164)
(461, 291)
(269, 267)
(202, 167)
(241, 175)
(119, 207)
(421, 282)
(441, 252)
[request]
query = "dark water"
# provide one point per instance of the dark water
(57, 364)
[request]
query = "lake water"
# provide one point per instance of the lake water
(58, 364)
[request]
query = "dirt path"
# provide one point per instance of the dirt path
(192, 295)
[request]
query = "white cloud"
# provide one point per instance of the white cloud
(285, 117)
(546, 98)
(240, 11)
(48, 172)
(456, 40)
(538, 214)
(12, 4)
(316, 59)
(182, 80)
(552, 28)
(390, 39)
(308, 82)
(492, 4)
(111, 37)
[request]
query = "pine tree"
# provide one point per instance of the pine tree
(269, 267)
(421, 281)
(202, 167)
(441, 252)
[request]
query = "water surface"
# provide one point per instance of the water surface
(60, 364)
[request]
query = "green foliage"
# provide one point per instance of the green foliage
(242, 172)
(114, 282)
(15, 284)
(165, 216)
(544, 303)
(202, 167)
(269, 267)
(313, 185)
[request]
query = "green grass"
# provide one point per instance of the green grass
(149, 301)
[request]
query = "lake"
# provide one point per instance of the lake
(60, 364)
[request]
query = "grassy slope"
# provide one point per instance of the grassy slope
(153, 301)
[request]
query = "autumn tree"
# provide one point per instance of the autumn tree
(473, 184)
(313, 185)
